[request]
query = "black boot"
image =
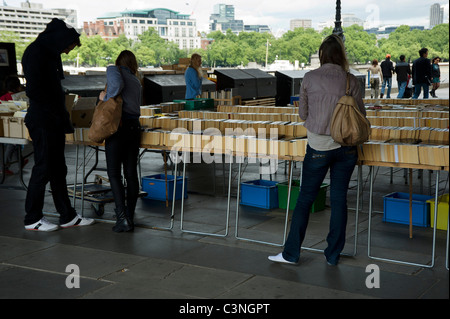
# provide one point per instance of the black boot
(123, 223)
(130, 216)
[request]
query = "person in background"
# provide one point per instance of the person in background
(387, 67)
(421, 71)
(320, 91)
(48, 122)
(122, 148)
(12, 86)
(435, 75)
(193, 77)
(375, 77)
(402, 70)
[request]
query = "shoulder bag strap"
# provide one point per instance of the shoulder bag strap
(347, 90)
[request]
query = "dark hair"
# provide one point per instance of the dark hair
(12, 84)
(332, 50)
(374, 62)
(435, 58)
(128, 59)
(423, 51)
(402, 58)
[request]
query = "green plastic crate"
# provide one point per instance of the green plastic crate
(283, 189)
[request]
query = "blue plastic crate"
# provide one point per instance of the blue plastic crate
(259, 193)
(155, 187)
(396, 209)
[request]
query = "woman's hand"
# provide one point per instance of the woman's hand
(102, 95)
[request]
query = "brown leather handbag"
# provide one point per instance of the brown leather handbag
(106, 119)
(349, 127)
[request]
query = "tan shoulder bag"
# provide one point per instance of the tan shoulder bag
(349, 127)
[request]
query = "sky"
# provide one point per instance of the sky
(276, 14)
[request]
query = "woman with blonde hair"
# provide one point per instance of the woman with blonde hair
(376, 77)
(193, 77)
(122, 148)
(320, 91)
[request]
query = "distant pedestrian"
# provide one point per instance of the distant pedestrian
(376, 76)
(193, 77)
(435, 75)
(402, 70)
(421, 71)
(387, 67)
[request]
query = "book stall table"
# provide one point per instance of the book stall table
(438, 169)
(16, 141)
(184, 155)
(95, 193)
(291, 160)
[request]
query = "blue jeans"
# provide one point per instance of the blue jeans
(387, 81)
(401, 89)
(418, 87)
(341, 163)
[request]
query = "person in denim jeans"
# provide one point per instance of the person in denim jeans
(387, 67)
(320, 91)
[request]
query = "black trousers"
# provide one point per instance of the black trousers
(49, 166)
(122, 150)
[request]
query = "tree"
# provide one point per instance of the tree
(360, 45)
(13, 37)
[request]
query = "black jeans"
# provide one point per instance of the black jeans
(49, 166)
(122, 148)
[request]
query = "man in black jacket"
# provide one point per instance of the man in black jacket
(386, 68)
(402, 70)
(421, 71)
(48, 121)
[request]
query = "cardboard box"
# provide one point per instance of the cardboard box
(82, 111)
(2, 127)
(15, 127)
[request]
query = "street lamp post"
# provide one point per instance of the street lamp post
(337, 24)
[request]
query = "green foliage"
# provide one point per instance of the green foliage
(13, 37)
(404, 41)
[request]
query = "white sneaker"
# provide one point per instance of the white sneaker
(280, 259)
(42, 225)
(78, 221)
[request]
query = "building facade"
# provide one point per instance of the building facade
(31, 19)
(436, 15)
(223, 19)
(170, 25)
(108, 31)
(300, 23)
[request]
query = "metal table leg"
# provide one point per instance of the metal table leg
(172, 216)
(83, 181)
(228, 206)
(76, 175)
(447, 247)
(287, 210)
(434, 229)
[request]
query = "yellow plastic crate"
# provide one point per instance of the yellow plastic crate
(442, 217)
